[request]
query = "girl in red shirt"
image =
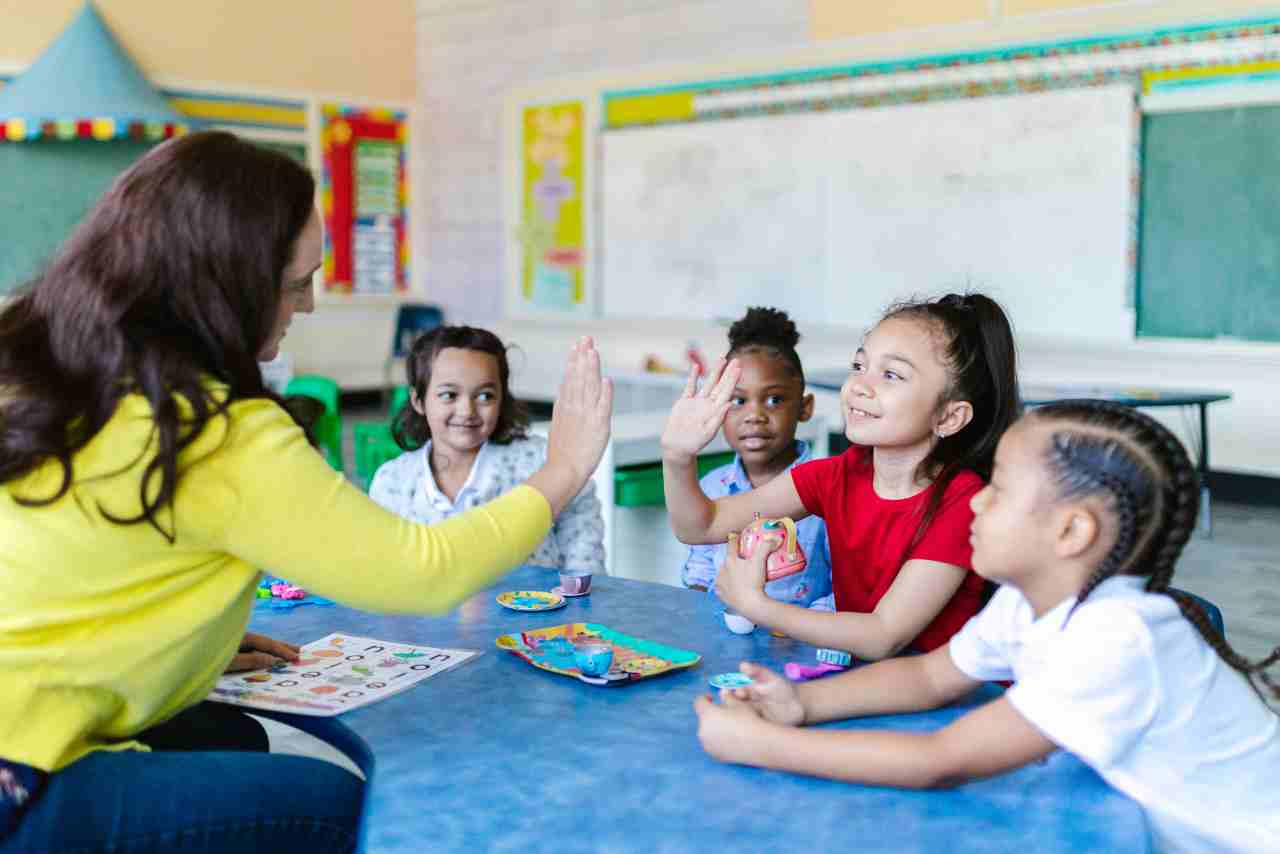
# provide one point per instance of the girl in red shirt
(930, 391)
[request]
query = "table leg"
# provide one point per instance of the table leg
(1206, 505)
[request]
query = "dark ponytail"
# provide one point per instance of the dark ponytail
(982, 367)
(1102, 448)
(769, 331)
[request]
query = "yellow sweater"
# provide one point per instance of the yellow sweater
(107, 629)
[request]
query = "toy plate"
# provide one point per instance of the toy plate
(633, 658)
(530, 600)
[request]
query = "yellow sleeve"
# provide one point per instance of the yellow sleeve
(264, 495)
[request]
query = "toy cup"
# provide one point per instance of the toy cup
(787, 559)
(593, 656)
(575, 583)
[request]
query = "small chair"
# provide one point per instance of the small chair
(373, 447)
(328, 427)
(399, 397)
(412, 319)
(1210, 610)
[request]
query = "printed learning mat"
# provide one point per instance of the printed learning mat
(530, 600)
(633, 658)
(336, 674)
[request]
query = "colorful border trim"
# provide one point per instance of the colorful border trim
(102, 128)
(229, 110)
(341, 127)
(1188, 76)
(1026, 68)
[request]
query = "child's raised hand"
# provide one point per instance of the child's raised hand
(697, 416)
(773, 697)
(740, 581)
(728, 730)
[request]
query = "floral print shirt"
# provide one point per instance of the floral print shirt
(407, 487)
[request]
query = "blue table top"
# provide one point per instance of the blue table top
(498, 755)
(1037, 395)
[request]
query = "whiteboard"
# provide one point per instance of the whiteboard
(833, 216)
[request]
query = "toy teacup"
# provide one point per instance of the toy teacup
(593, 656)
(787, 559)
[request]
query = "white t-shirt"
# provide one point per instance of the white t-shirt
(1130, 687)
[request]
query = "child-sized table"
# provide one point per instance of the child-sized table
(497, 755)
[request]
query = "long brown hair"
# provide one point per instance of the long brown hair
(410, 429)
(1102, 448)
(174, 278)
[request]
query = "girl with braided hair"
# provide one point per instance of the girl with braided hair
(1087, 511)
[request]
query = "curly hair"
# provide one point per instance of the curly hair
(769, 331)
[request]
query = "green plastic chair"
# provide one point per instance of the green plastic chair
(374, 446)
(399, 397)
(328, 427)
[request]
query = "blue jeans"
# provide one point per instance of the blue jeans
(234, 801)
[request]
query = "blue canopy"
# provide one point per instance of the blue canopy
(85, 86)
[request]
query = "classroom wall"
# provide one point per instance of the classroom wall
(342, 48)
(1243, 436)
(470, 55)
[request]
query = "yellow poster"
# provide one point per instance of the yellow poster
(551, 225)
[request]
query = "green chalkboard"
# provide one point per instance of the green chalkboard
(1209, 259)
(45, 190)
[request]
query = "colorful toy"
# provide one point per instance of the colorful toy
(593, 656)
(787, 559)
(276, 593)
(530, 600)
(730, 680)
(829, 661)
(556, 649)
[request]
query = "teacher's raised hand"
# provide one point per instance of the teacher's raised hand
(697, 416)
(579, 428)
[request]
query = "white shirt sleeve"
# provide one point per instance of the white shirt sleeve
(981, 649)
(1093, 686)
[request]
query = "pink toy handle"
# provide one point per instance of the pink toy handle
(787, 559)
(797, 672)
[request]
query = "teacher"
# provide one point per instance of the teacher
(146, 477)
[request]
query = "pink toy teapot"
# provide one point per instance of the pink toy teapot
(787, 559)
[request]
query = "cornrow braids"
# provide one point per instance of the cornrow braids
(1100, 447)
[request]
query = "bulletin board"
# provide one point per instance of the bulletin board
(364, 192)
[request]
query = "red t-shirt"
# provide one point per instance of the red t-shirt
(869, 536)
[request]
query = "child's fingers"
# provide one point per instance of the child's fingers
(713, 378)
(702, 704)
(727, 379)
(760, 676)
(691, 384)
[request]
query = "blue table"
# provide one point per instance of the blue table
(497, 755)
